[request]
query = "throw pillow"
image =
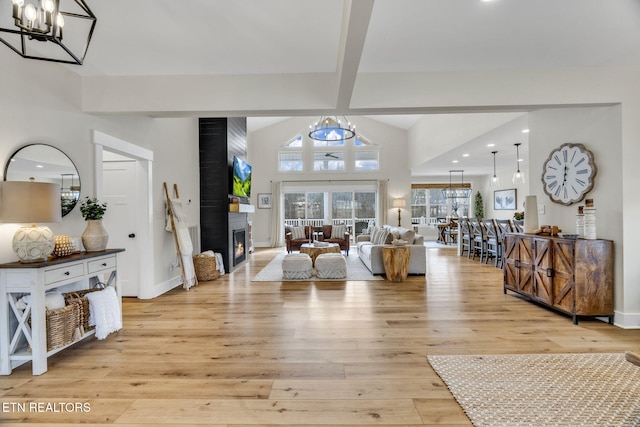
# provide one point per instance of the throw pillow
(374, 234)
(337, 231)
(297, 233)
(381, 237)
(408, 236)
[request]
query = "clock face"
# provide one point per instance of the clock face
(568, 173)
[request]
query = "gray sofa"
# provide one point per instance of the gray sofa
(369, 248)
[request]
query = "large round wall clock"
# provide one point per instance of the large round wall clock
(568, 174)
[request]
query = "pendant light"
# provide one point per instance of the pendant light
(518, 177)
(459, 192)
(494, 182)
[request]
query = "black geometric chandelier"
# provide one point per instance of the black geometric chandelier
(49, 30)
(331, 128)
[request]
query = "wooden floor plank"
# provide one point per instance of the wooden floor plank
(327, 411)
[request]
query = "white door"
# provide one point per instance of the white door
(119, 191)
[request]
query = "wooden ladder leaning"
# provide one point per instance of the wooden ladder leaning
(174, 230)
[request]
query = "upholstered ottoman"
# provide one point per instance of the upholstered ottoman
(331, 266)
(296, 266)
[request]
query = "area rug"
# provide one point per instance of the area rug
(439, 245)
(543, 389)
(356, 270)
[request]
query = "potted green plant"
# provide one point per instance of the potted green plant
(478, 205)
(95, 236)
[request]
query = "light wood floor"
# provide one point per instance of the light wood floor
(236, 353)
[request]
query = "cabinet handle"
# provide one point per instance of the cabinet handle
(66, 273)
(549, 272)
(104, 264)
(517, 263)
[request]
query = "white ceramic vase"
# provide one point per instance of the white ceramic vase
(95, 236)
(530, 214)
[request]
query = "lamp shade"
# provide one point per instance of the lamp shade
(30, 202)
(399, 203)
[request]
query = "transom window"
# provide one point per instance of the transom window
(328, 161)
(290, 161)
(366, 160)
(334, 154)
(295, 142)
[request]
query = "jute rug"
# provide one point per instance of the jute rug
(356, 270)
(578, 390)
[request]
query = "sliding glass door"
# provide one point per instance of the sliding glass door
(352, 208)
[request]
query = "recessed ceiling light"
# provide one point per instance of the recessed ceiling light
(465, 155)
(525, 130)
(455, 161)
(491, 145)
(39, 166)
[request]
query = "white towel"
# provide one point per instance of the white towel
(219, 263)
(104, 312)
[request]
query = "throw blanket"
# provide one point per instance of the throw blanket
(219, 261)
(184, 242)
(104, 312)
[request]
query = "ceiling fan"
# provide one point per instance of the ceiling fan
(332, 155)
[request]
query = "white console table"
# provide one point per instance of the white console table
(73, 272)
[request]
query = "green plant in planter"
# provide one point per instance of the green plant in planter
(478, 205)
(92, 209)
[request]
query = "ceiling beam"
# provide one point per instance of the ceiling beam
(356, 18)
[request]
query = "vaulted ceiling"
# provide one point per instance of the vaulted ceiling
(309, 55)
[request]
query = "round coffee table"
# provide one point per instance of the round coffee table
(313, 251)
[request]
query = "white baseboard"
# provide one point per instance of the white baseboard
(626, 320)
(262, 244)
(164, 287)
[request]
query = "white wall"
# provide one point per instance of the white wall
(264, 144)
(505, 183)
(599, 130)
(176, 161)
(40, 103)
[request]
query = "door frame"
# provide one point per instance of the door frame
(144, 203)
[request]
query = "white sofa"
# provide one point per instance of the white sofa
(369, 248)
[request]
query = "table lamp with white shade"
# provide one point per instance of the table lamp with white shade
(399, 203)
(31, 203)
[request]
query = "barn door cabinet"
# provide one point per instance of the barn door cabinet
(574, 276)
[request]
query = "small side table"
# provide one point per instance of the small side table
(396, 262)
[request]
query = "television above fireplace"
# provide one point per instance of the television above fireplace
(241, 185)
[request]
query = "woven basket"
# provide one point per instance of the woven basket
(206, 268)
(78, 297)
(61, 326)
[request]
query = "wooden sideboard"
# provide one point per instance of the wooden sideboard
(574, 276)
(23, 333)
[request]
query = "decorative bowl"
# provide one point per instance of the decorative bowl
(568, 236)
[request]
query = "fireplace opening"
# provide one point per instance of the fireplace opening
(239, 246)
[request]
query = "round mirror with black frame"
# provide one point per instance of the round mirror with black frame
(46, 163)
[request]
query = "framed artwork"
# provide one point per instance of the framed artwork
(264, 200)
(505, 200)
